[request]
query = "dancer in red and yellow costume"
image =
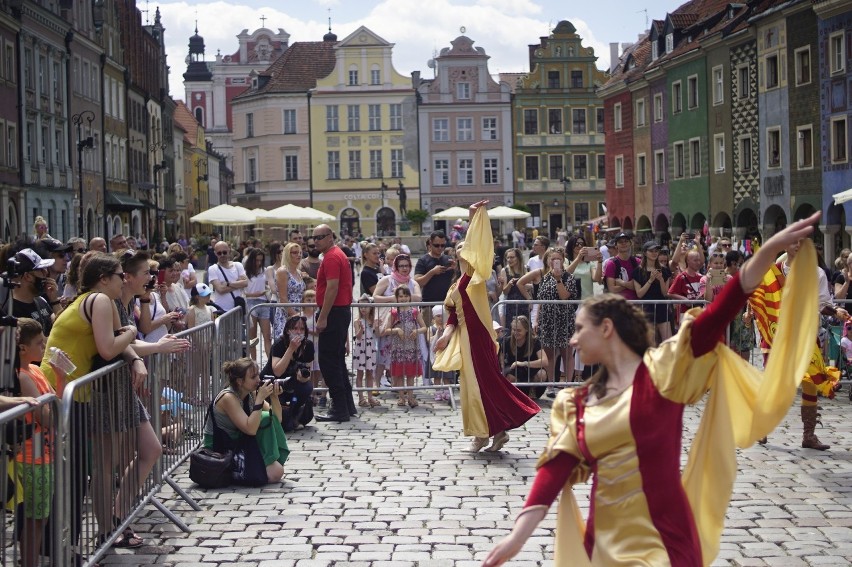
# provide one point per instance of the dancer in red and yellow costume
(624, 427)
(490, 404)
(819, 378)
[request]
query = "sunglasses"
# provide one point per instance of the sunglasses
(437, 245)
(80, 251)
(312, 246)
(321, 236)
(717, 255)
(222, 253)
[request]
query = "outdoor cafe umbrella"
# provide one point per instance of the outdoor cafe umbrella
(293, 214)
(225, 215)
(842, 197)
(451, 214)
(506, 213)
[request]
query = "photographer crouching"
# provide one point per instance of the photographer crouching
(290, 363)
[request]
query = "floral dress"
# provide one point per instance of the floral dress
(556, 321)
(405, 351)
(295, 291)
(364, 355)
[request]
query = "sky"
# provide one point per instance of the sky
(418, 28)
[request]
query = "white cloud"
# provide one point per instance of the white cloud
(503, 28)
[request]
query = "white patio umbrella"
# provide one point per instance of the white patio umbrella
(225, 215)
(506, 213)
(293, 214)
(451, 214)
(842, 197)
(324, 217)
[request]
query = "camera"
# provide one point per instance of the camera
(268, 379)
(303, 371)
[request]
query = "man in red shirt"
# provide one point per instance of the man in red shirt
(687, 284)
(334, 296)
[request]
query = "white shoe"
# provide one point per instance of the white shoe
(477, 444)
(499, 440)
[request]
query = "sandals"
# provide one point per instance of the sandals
(374, 402)
(363, 403)
(412, 401)
(127, 540)
(401, 402)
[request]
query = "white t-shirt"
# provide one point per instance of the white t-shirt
(157, 311)
(176, 297)
(187, 274)
(225, 300)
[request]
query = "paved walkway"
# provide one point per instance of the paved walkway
(396, 487)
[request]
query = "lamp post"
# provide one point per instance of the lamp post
(158, 167)
(566, 183)
(82, 144)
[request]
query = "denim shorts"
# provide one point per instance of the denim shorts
(263, 312)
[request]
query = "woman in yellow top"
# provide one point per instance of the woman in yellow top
(625, 425)
(490, 404)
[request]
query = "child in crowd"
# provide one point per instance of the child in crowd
(310, 297)
(403, 325)
(36, 454)
(438, 377)
(846, 342)
(200, 310)
(712, 283)
(364, 355)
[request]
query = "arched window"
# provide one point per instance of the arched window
(199, 115)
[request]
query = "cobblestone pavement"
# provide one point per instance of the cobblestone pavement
(396, 487)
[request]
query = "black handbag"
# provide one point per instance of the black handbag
(209, 468)
(239, 301)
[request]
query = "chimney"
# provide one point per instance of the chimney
(613, 56)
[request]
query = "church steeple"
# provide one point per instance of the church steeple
(197, 69)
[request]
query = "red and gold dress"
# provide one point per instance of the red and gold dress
(489, 402)
(642, 510)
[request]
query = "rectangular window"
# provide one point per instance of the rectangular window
(556, 167)
(44, 142)
(641, 179)
(719, 152)
(441, 130)
(464, 129)
(375, 116)
(695, 157)
(578, 120)
(490, 175)
(616, 117)
(396, 117)
(553, 79)
(291, 167)
(599, 120)
(743, 86)
(640, 112)
(771, 68)
(669, 43)
(658, 107)
(28, 68)
(249, 125)
(489, 128)
(353, 77)
(353, 113)
(289, 121)
(836, 53)
(581, 166)
(334, 165)
(251, 170)
(619, 171)
(442, 172)
(838, 140)
(576, 79)
(773, 147)
(11, 147)
(554, 120)
(745, 154)
(659, 166)
(465, 171)
(531, 168)
(463, 91)
(30, 140)
(57, 76)
(86, 78)
(803, 66)
(58, 146)
(375, 77)
(42, 75)
(10, 62)
(601, 166)
(805, 147)
(677, 97)
(354, 164)
(679, 156)
(718, 85)
(692, 92)
(530, 121)
(581, 212)
(396, 163)
(376, 164)
(332, 119)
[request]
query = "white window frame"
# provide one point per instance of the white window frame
(289, 118)
(640, 112)
(677, 97)
(679, 156)
(538, 167)
(441, 171)
(464, 129)
(616, 117)
(396, 116)
(397, 160)
(800, 147)
(719, 152)
(743, 86)
(355, 171)
(489, 129)
(440, 129)
(798, 67)
(669, 42)
(585, 121)
(659, 112)
(375, 77)
(466, 170)
(692, 99)
(619, 171)
(574, 167)
(718, 85)
(833, 154)
(642, 169)
(293, 159)
(374, 117)
(353, 76)
(376, 165)
(353, 118)
(660, 166)
(773, 132)
(332, 118)
(555, 166)
(693, 160)
(837, 57)
(333, 158)
(463, 91)
(776, 58)
(490, 170)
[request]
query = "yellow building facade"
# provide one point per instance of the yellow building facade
(364, 158)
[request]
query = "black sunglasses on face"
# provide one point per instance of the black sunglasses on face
(222, 253)
(321, 236)
(438, 244)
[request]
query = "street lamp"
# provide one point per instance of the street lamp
(158, 167)
(82, 144)
(566, 183)
(384, 188)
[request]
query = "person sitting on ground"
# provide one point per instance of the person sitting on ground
(291, 358)
(523, 358)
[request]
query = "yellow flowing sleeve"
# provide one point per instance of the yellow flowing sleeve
(478, 249)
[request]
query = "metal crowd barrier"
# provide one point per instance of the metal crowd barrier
(230, 338)
(30, 469)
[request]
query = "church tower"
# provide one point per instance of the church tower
(198, 81)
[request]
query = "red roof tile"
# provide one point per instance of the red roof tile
(298, 69)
